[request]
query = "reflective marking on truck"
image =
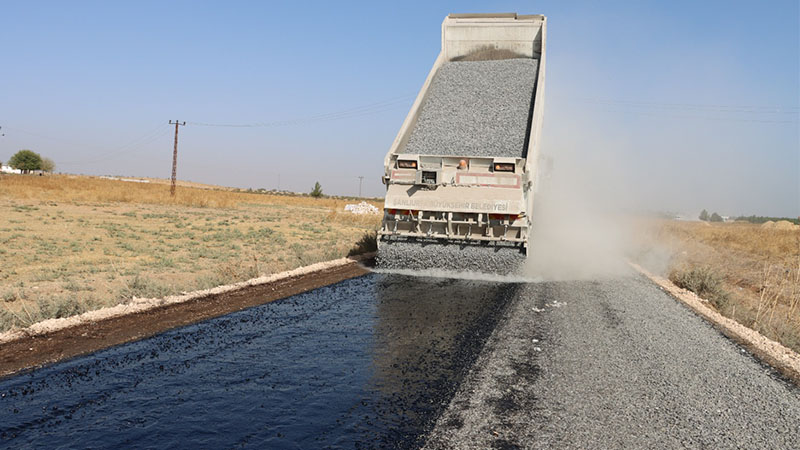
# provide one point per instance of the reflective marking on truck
(404, 174)
(490, 180)
(431, 204)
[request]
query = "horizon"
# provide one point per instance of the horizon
(685, 113)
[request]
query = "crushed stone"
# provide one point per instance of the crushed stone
(476, 108)
(429, 256)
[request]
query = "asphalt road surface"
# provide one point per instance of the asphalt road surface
(369, 362)
(615, 364)
(403, 362)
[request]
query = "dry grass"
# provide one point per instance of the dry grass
(704, 282)
(84, 189)
(69, 244)
(748, 272)
(367, 244)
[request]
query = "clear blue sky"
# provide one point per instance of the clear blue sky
(675, 105)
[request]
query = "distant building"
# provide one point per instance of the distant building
(8, 169)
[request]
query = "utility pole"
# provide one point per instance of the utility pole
(175, 157)
(360, 179)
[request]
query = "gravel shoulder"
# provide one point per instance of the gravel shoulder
(615, 363)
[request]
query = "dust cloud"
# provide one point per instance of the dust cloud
(583, 227)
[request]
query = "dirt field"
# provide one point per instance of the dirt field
(70, 244)
(748, 272)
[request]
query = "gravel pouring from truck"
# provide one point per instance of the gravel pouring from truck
(462, 168)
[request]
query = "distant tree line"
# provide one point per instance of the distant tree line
(714, 217)
(28, 161)
(762, 219)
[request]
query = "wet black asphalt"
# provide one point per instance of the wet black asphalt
(390, 361)
(364, 363)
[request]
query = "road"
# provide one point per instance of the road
(402, 362)
(367, 362)
(615, 364)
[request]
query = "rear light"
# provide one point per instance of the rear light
(509, 217)
(406, 164)
(503, 167)
(402, 212)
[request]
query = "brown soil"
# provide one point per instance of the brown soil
(35, 351)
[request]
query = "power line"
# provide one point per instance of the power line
(132, 146)
(696, 116)
(745, 109)
(358, 111)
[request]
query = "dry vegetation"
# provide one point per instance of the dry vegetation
(750, 273)
(69, 244)
(73, 188)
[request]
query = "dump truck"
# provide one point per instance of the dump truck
(462, 169)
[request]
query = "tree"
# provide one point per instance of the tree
(48, 165)
(26, 160)
(317, 191)
(704, 215)
(715, 218)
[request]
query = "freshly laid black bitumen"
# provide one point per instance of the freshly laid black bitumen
(368, 362)
(388, 361)
(615, 364)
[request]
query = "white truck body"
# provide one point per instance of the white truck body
(438, 197)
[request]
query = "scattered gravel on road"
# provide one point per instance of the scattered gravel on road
(476, 108)
(619, 365)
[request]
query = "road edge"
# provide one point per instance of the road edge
(782, 358)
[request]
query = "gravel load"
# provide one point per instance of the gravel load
(455, 257)
(476, 108)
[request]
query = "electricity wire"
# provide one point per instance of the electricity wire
(731, 113)
(359, 111)
(152, 137)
